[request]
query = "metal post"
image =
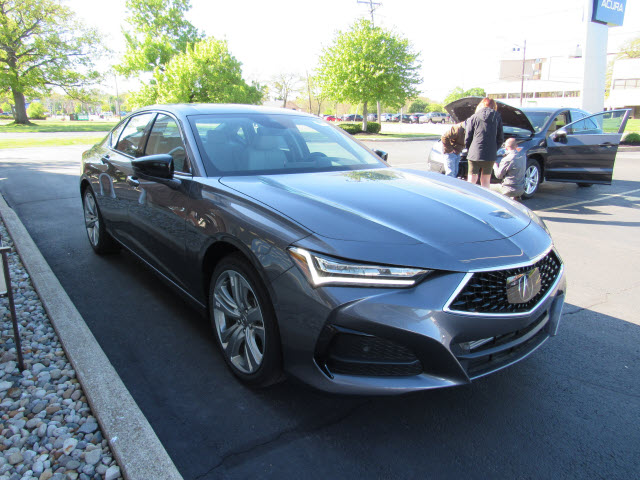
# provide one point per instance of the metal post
(12, 306)
(524, 57)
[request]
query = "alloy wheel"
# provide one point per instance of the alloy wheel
(91, 219)
(239, 322)
(531, 179)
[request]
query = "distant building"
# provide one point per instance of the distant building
(548, 82)
(625, 86)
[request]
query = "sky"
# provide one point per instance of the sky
(461, 41)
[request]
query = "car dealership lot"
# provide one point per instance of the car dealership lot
(569, 410)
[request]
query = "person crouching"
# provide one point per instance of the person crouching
(511, 170)
(452, 146)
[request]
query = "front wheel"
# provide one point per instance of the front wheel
(585, 185)
(244, 322)
(532, 178)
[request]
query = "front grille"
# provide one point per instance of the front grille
(367, 355)
(486, 292)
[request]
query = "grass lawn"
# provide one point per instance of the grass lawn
(49, 142)
(633, 126)
(56, 126)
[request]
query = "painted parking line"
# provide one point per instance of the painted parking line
(595, 200)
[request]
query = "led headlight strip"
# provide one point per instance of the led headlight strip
(323, 270)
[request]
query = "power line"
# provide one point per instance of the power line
(372, 8)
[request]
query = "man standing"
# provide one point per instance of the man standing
(483, 138)
(452, 145)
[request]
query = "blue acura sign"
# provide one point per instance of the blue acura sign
(610, 12)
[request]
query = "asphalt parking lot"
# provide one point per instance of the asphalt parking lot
(568, 411)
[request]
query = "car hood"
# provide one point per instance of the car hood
(463, 108)
(386, 206)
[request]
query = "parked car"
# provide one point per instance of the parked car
(415, 117)
(312, 256)
(331, 118)
(372, 117)
(434, 117)
(549, 138)
(405, 118)
(352, 117)
(386, 117)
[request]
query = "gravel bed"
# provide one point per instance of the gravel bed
(47, 430)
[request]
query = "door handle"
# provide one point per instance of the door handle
(133, 181)
(105, 158)
(607, 144)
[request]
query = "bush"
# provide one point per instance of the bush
(351, 128)
(631, 139)
(35, 111)
(373, 127)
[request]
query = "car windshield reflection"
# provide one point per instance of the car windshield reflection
(273, 144)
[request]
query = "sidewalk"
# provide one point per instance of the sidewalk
(68, 415)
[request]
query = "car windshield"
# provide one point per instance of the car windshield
(538, 119)
(258, 144)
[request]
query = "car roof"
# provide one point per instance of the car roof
(187, 109)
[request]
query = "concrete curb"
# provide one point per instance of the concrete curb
(133, 442)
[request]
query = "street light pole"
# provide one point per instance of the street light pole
(524, 57)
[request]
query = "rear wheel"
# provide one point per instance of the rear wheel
(244, 322)
(532, 178)
(99, 238)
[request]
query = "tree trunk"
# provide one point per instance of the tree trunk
(379, 114)
(20, 109)
(364, 117)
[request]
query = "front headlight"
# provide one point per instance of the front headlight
(324, 270)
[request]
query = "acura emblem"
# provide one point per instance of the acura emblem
(523, 287)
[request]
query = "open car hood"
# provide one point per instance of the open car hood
(463, 108)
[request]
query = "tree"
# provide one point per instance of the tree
(6, 107)
(158, 32)
(368, 64)
(36, 111)
(284, 85)
(458, 93)
(206, 72)
(42, 46)
(418, 106)
(630, 49)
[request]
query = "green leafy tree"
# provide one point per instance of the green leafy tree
(368, 64)
(418, 106)
(42, 46)
(205, 73)
(458, 93)
(6, 107)
(36, 111)
(158, 32)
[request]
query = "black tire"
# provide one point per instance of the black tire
(532, 178)
(99, 239)
(241, 329)
(585, 185)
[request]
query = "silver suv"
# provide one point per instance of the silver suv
(434, 117)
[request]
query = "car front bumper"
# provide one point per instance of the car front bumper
(389, 341)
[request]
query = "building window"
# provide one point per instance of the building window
(497, 96)
(627, 83)
(528, 94)
(572, 93)
(513, 95)
(549, 94)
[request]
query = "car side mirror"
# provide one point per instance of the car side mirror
(154, 166)
(382, 154)
(559, 136)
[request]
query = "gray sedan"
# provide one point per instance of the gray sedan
(313, 258)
